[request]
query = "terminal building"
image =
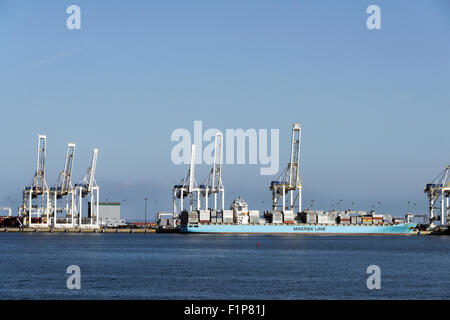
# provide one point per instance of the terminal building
(109, 214)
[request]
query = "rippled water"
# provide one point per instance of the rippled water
(177, 266)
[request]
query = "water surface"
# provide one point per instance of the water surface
(177, 266)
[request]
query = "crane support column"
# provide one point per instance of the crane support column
(440, 187)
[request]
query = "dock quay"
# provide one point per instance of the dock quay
(78, 230)
(147, 230)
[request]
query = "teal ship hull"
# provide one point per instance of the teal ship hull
(399, 229)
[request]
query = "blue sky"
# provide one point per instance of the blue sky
(374, 105)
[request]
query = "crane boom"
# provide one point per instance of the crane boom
(39, 182)
(294, 174)
(217, 166)
(191, 170)
(89, 179)
(64, 183)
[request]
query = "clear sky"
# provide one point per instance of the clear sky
(374, 104)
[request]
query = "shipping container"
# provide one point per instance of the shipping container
(254, 216)
(277, 217)
(344, 216)
(227, 216)
(205, 216)
(193, 217)
(219, 217)
(322, 218)
(332, 217)
(367, 220)
(288, 217)
(377, 219)
(311, 218)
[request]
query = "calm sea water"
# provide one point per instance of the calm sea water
(177, 266)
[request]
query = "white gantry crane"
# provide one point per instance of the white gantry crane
(213, 183)
(36, 197)
(61, 205)
(187, 189)
(64, 192)
(89, 187)
(288, 187)
(439, 188)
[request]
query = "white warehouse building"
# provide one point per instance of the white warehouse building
(109, 214)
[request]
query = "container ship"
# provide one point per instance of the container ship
(205, 215)
(240, 220)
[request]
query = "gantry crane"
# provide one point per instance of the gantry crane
(440, 187)
(89, 186)
(289, 183)
(38, 190)
(40, 203)
(213, 183)
(64, 189)
(187, 188)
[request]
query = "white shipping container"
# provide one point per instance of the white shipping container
(311, 218)
(205, 215)
(254, 216)
(332, 218)
(322, 218)
(288, 216)
(277, 217)
(227, 214)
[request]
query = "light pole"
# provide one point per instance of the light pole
(156, 210)
(12, 203)
(145, 215)
(408, 206)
